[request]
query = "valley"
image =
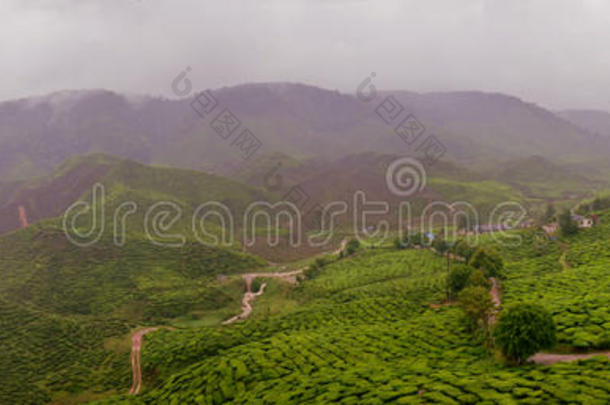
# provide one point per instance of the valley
(304, 202)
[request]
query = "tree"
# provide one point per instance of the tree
(419, 239)
(549, 214)
(463, 222)
(315, 268)
(352, 246)
(487, 260)
(440, 245)
(478, 306)
(567, 225)
(524, 329)
(477, 279)
(457, 279)
(462, 249)
(399, 243)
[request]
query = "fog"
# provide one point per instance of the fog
(554, 53)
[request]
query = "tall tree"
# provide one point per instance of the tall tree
(523, 330)
(478, 306)
(549, 214)
(567, 224)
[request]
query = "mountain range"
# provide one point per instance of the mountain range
(474, 128)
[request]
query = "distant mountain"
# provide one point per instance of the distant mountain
(595, 121)
(480, 126)
(38, 133)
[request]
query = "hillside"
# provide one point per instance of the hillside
(38, 133)
(125, 180)
(363, 331)
(66, 311)
(359, 331)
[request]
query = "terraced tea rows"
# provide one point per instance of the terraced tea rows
(364, 333)
(577, 296)
(65, 312)
(427, 358)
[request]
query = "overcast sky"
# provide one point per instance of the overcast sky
(554, 53)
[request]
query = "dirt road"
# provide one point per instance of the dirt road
(495, 298)
(552, 358)
(249, 296)
(136, 347)
(341, 247)
(246, 305)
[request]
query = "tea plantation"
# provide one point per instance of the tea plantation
(364, 332)
(66, 312)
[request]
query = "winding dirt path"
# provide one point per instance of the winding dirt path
(23, 216)
(495, 298)
(246, 305)
(136, 347)
(249, 296)
(341, 247)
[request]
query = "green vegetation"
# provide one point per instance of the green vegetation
(524, 329)
(66, 312)
(477, 306)
(549, 214)
(576, 294)
(458, 278)
(363, 329)
(352, 246)
(462, 249)
(487, 260)
(363, 332)
(567, 224)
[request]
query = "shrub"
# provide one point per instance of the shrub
(256, 284)
(524, 329)
(315, 268)
(419, 239)
(352, 246)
